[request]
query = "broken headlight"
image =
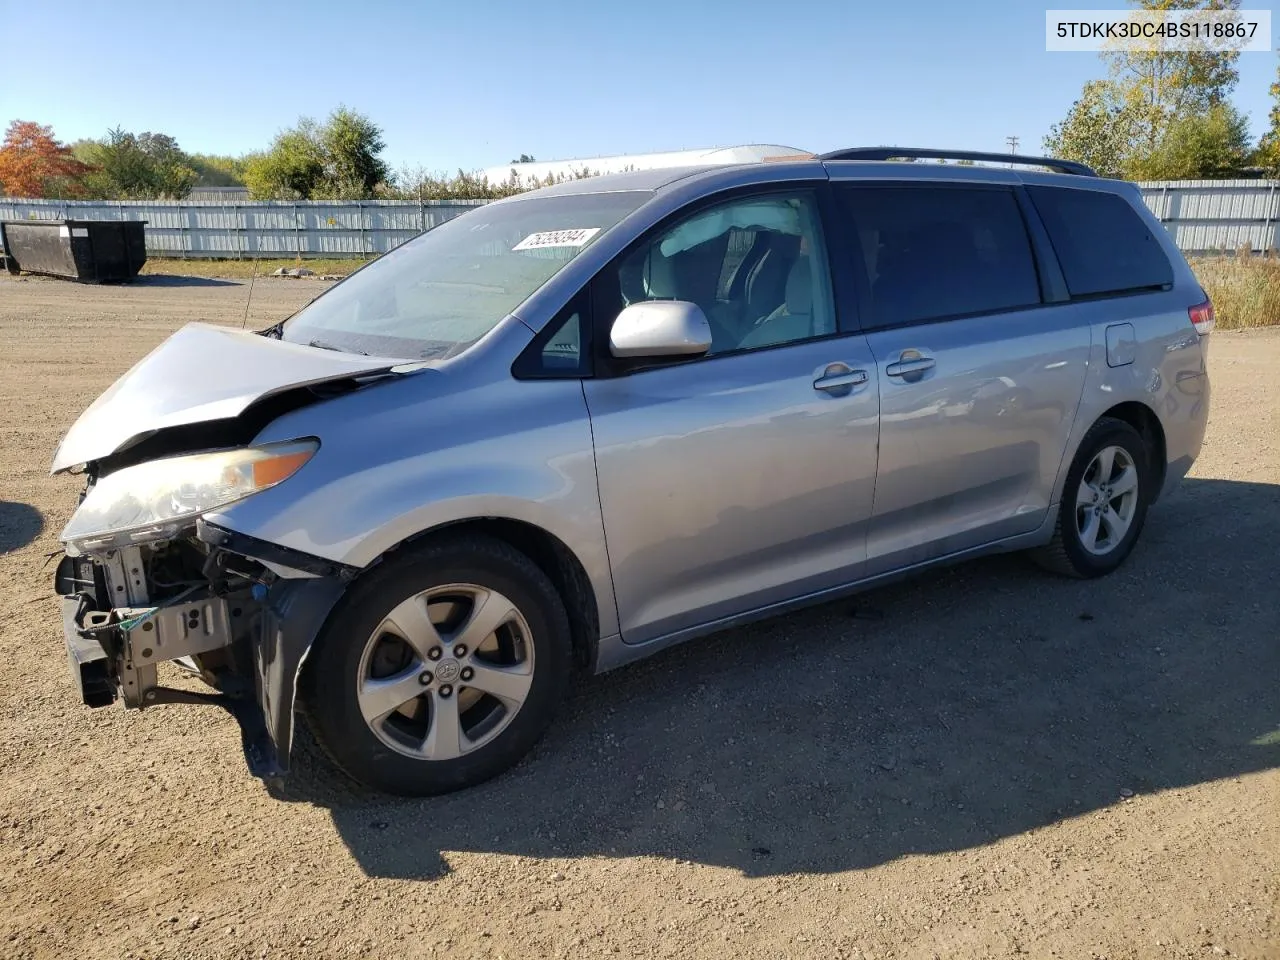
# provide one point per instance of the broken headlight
(154, 500)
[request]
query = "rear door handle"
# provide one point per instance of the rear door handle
(840, 379)
(910, 367)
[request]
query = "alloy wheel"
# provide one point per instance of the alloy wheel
(1107, 500)
(445, 672)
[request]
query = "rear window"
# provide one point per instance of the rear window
(935, 252)
(1102, 243)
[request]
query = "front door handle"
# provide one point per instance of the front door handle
(838, 378)
(910, 367)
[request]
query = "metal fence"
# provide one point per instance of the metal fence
(246, 230)
(1217, 216)
(1204, 216)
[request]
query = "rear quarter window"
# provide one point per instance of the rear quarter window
(1101, 242)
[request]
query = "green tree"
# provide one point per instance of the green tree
(213, 170)
(341, 159)
(1097, 130)
(292, 168)
(147, 166)
(1203, 145)
(1268, 152)
(172, 173)
(416, 183)
(118, 166)
(1122, 124)
(352, 145)
(1157, 85)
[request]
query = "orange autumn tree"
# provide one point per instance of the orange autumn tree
(34, 164)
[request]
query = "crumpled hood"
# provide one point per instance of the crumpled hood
(201, 373)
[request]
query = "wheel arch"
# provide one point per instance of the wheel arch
(1143, 419)
(551, 554)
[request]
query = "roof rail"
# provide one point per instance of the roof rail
(925, 153)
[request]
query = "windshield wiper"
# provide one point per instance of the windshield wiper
(325, 345)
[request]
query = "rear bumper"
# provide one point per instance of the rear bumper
(1184, 435)
(1174, 471)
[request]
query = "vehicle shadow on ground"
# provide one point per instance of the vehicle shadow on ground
(968, 705)
(173, 280)
(20, 524)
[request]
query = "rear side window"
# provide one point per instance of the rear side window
(1102, 243)
(934, 252)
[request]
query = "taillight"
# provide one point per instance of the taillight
(1202, 317)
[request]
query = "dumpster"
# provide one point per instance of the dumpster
(91, 251)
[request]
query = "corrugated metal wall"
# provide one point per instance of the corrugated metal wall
(1204, 216)
(1217, 216)
(308, 228)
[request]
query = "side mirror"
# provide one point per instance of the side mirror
(660, 328)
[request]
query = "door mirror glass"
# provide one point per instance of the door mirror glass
(660, 328)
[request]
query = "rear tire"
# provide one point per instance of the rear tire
(440, 669)
(1104, 503)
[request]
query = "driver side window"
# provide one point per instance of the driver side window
(756, 266)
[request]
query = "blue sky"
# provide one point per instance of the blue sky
(470, 84)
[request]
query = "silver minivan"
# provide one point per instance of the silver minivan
(571, 428)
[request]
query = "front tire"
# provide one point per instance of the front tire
(1104, 503)
(440, 669)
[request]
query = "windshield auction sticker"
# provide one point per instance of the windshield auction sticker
(576, 237)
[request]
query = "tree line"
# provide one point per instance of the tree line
(1163, 115)
(1167, 115)
(339, 159)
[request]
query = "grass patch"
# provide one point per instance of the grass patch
(1245, 290)
(245, 268)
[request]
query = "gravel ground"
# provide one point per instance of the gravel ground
(985, 761)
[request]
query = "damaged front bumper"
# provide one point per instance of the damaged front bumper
(238, 612)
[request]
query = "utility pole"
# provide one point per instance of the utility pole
(1013, 146)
